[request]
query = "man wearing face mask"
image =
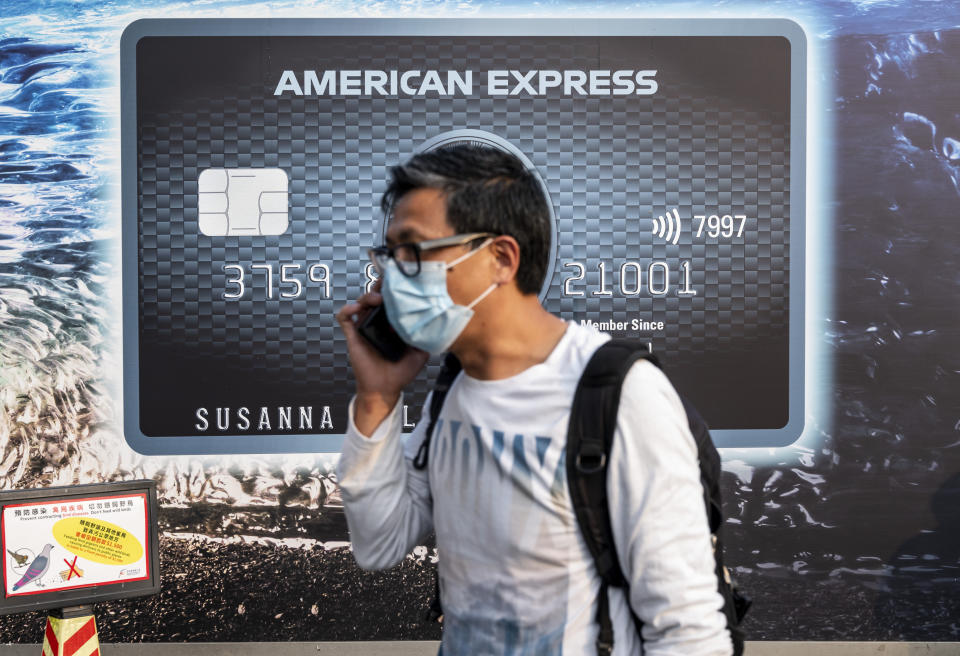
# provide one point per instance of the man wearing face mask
(466, 254)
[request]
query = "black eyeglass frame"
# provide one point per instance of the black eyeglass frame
(419, 247)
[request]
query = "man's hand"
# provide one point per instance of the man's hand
(379, 381)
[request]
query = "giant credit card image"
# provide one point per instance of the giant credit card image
(255, 153)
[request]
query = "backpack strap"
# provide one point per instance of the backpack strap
(448, 373)
(593, 420)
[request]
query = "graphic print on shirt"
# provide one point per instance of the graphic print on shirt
(514, 486)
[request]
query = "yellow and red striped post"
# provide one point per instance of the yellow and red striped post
(71, 632)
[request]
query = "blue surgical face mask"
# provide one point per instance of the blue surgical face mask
(419, 307)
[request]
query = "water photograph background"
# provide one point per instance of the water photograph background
(851, 534)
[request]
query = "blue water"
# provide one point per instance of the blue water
(893, 436)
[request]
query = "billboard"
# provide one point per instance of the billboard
(849, 533)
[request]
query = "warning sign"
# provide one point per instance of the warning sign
(84, 542)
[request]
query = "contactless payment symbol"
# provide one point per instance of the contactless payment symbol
(238, 202)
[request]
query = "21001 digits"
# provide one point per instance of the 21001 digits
(633, 279)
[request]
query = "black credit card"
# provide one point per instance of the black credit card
(255, 153)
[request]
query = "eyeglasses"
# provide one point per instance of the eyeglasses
(407, 255)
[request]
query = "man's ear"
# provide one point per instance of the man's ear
(506, 255)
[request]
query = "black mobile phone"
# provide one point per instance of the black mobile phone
(376, 329)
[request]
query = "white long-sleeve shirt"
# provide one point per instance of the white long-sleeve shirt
(515, 573)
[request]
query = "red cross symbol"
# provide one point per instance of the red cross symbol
(73, 569)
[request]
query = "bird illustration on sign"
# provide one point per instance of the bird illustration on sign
(36, 570)
(19, 558)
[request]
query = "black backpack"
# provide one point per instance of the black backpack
(593, 418)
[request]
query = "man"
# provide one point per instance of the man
(466, 254)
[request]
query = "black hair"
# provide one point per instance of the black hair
(486, 190)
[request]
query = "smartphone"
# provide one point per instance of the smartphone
(376, 329)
